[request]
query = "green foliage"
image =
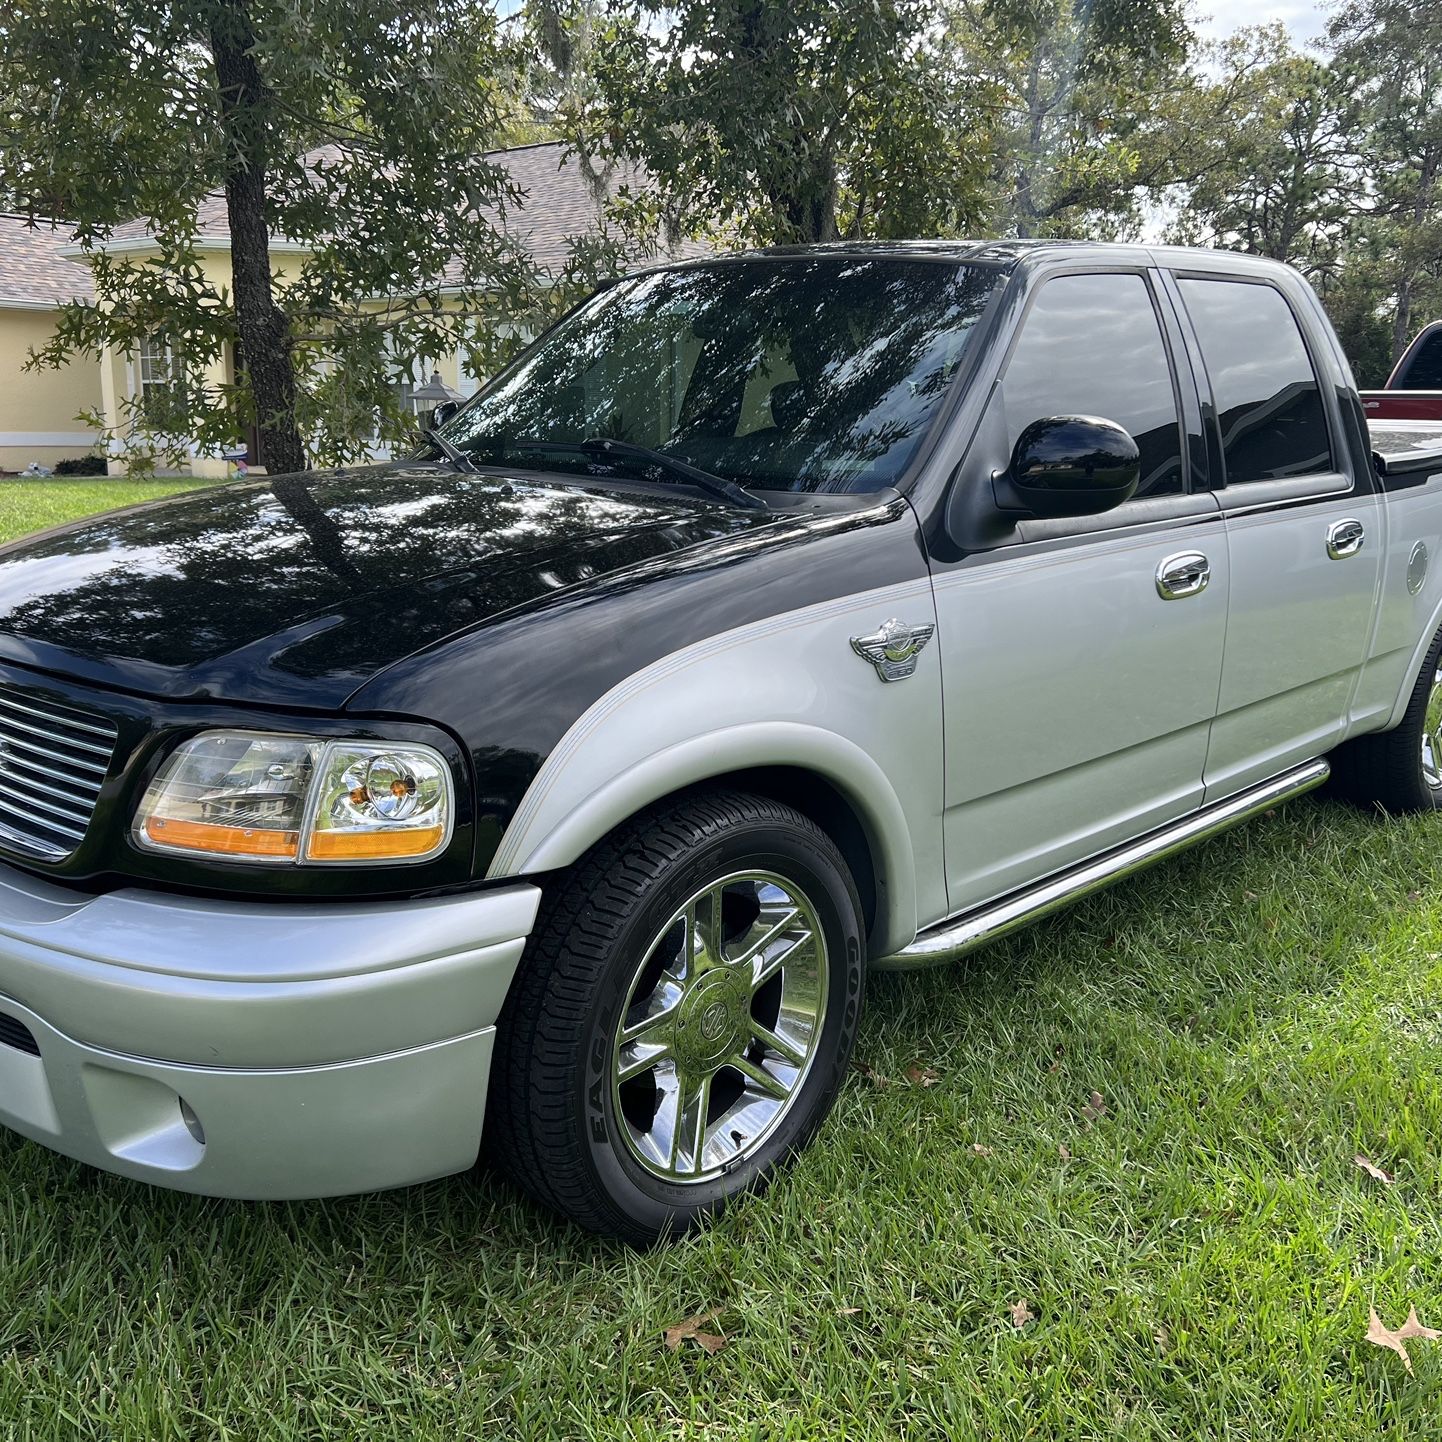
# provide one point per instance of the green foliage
(1277, 175)
(1080, 130)
(354, 146)
(1389, 54)
(785, 120)
(739, 121)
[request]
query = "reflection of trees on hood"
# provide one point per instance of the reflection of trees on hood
(198, 575)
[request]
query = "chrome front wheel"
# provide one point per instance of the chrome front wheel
(683, 1017)
(722, 1020)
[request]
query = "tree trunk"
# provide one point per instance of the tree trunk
(1402, 319)
(1421, 203)
(261, 324)
(810, 209)
(1025, 211)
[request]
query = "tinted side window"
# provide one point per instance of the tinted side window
(1268, 400)
(1424, 370)
(1091, 345)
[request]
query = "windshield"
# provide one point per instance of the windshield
(814, 374)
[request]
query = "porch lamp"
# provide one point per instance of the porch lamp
(434, 393)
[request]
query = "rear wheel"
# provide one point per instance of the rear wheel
(683, 1018)
(1400, 770)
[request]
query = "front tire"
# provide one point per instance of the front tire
(1400, 770)
(683, 1016)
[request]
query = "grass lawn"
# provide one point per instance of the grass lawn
(33, 505)
(1196, 1247)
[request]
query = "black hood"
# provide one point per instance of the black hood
(298, 589)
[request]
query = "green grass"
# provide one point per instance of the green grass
(1253, 1014)
(34, 505)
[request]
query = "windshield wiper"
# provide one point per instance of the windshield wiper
(602, 448)
(717, 486)
(453, 453)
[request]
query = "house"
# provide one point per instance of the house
(39, 409)
(559, 204)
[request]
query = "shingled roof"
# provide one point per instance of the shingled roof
(558, 204)
(33, 272)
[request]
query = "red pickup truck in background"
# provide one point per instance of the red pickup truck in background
(1414, 389)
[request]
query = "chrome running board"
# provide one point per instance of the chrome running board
(951, 939)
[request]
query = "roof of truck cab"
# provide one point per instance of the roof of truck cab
(1002, 254)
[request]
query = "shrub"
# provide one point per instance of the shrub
(80, 466)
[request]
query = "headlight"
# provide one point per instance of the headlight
(247, 796)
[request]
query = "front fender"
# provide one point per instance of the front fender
(787, 692)
(703, 758)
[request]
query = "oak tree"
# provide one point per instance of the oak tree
(343, 149)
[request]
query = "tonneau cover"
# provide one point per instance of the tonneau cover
(1407, 448)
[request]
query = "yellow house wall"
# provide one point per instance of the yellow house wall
(120, 376)
(38, 409)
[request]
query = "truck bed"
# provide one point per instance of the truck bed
(1407, 448)
(1389, 406)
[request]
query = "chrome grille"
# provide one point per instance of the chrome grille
(53, 760)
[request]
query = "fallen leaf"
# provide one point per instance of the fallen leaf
(874, 1077)
(980, 1149)
(1380, 1336)
(1021, 1314)
(1372, 1169)
(922, 1076)
(690, 1331)
(1094, 1109)
(1413, 1328)
(1064, 1152)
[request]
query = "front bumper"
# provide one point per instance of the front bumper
(318, 1048)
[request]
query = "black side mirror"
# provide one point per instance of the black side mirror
(444, 412)
(1073, 466)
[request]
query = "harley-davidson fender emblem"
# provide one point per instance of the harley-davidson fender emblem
(893, 649)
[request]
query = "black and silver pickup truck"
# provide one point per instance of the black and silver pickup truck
(772, 618)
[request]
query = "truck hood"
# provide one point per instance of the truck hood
(298, 589)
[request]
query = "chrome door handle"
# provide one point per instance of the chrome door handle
(1185, 574)
(1344, 538)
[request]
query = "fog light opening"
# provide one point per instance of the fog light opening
(192, 1122)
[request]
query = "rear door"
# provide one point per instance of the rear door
(1304, 534)
(1081, 658)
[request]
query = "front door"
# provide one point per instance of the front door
(1081, 661)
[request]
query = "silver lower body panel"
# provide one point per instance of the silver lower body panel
(965, 933)
(251, 1049)
(271, 1133)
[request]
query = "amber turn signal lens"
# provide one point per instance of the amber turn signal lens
(374, 845)
(202, 836)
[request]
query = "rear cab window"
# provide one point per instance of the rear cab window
(1270, 413)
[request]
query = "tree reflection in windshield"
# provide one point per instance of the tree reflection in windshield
(815, 373)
